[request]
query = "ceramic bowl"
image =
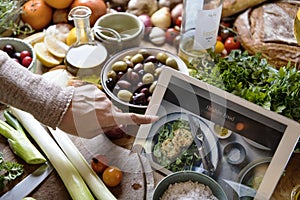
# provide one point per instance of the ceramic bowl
(111, 88)
(184, 176)
(252, 174)
(221, 132)
(234, 153)
(129, 27)
(19, 46)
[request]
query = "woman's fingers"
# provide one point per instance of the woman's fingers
(134, 118)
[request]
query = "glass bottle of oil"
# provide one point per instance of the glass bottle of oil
(199, 29)
(85, 57)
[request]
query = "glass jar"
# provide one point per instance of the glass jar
(85, 57)
(199, 30)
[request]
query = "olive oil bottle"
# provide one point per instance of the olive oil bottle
(85, 57)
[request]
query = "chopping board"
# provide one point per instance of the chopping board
(137, 181)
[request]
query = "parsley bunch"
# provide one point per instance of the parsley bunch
(254, 79)
(9, 171)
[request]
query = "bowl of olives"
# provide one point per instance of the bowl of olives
(20, 51)
(129, 77)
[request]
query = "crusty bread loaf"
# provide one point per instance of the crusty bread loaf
(232, 7)
(268, 29)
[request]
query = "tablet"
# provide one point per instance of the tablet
(267, 137)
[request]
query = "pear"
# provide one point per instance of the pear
(162, 18)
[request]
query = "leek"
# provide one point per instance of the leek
(66, 170)
(96, 185)
(20, 144)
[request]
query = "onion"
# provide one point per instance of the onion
(147, 22)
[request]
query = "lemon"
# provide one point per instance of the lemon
(44, 56)
(71, 37)
(56, 46)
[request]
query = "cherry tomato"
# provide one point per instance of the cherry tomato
(24, 53)
(112, 176)
(99, 163)
(231, 43)
(26, 61)
(219, 47)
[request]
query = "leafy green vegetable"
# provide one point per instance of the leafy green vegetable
(254, 79)
(9, 171)
(188, 156)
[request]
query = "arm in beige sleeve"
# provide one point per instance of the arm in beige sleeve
(29, 92)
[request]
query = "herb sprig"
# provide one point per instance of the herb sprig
(9, 14)
(9, 171)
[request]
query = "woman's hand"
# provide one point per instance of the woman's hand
(92, 113)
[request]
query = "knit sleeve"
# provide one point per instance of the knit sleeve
(30, 92)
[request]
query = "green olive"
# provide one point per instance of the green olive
(128, 57)
(137, 58)
(158, 71)
(172, 63)
(112, 74)
(124, 95)
(152, 87)
(119, 66)
(162, 57)
(144, 52)
(149, 67)
(148, 78)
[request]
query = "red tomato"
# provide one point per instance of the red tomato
(231, 43)
(112, 176)
(171, 34)
(26, 61)
(24, 53)
(99, 163)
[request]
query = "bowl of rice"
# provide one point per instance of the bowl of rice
(188, 185)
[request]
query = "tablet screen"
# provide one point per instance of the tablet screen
(246, 145)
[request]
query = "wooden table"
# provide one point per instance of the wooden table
(289, 179)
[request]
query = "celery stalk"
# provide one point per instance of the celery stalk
(21, 145)
(66, 170)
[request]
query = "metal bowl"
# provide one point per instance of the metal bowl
(19, 46)
(184, 176)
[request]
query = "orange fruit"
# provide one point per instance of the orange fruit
(98, 8)
(37, 14)
(59, 4)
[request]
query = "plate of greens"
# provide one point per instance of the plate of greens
(170, 144)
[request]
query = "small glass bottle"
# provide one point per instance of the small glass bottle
(199, 30)
(86, 56)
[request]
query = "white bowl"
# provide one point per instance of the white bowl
(119, 57)
(19, 46)
(128, 27)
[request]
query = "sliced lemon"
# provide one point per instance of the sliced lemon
(45, 57)
(56, 46)
(71, 37)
